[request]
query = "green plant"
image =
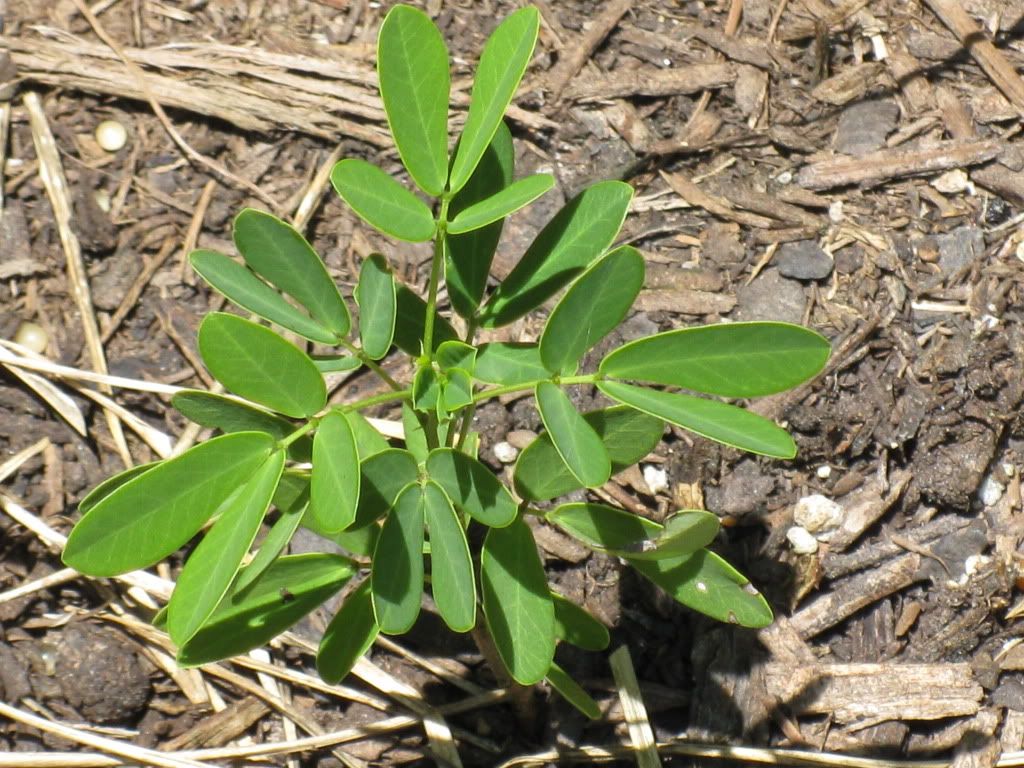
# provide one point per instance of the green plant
(380, 502)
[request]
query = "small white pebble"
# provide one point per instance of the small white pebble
(784, 178)
(656, 478)
(802, 540)
(102, 200)
(975, 563)
(818, 514)
(953, 182)
(824, 472)
(835, 212)
(991, 491)
(1008, 469)
(33, 336)
(505, 452)
(111, 135)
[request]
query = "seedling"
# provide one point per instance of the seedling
(426, 513)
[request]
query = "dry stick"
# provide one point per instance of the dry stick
(195, 226)
(989, 58)
(52, 175)
(135, 290)
(732, 23)
(140, 77)
(569, 67)
(311, 198)
(54, 579)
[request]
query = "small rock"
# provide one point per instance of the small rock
(864, 126)
(111, 135)
(991, 491)
(771, 297)
(505, 452)
(819, 515)
(801, 540)
(803, 260)
(959, 248)
(1009, 694)
(824, 472)
(953, 182)
(100, 674)
(520, 438)
(741, 491)
(656, 479)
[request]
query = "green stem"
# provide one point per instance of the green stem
(369, 402)
(489, 394)
(372, 365)
(435, 279)
(284, 442)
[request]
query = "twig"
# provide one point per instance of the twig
(52, 175)
(195, 226)
(135, 290)
(62, 576)
(311, 197)
(569, 66)
(140, 77)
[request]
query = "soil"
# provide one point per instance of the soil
(847, 165)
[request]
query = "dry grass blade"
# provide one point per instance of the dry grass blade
(640, 732)
(14, 463)
(54, 579)
(22, 360)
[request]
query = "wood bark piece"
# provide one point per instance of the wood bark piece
(848, 85)
(654, 82)
(685, 301)
(220, 728)
(989, 58)
(863, 508)
(745, 50)
(867, 694)
(980, 747)
(568, 67)
(907, 72)
(896, 163)
(846, 597)
(716, 206)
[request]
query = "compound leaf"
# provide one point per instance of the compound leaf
(732, 360)
(285, 592)
(273, 544)
(335, 363)
(575, 440)
(281, 255)
(381, 201)
(211, 568)
(576, 626)
(451, 567)
(572, 692)
(456, 354)
(503, 362)
(396, 577)
(705, 582)
(383, 476)
(415, 434)
(603, 527)
(368, 440)
(468, 256)
(594, 304)
(457, 391)
(412, 66)
(567, 245)
(472, 487)
(501, 204)
(111, 484)
(257, 364)
(150, 516)
(349, 635)
(245, 289)
(627, 434)
(683, 534)
(375, 295)
(426, 389)
(411, 323)
(717, 421)
(502, 64)
(517, 603)
(334, 484)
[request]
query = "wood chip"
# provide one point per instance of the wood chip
(583, 48)
(651, 82)
(219, 728)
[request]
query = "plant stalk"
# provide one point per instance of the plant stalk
(435, 279)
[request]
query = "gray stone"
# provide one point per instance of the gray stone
(864, 126)
(771, 297)
(803, 260)
(959, 248)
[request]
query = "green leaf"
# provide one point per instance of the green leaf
(383, 476)
(426, 389)
(239, 285)
(575, 440)
(572, 692)
(501, 362)
(457, 391)
(503, 61)
(381, 201)
(358, 541)
(472, 487)
(603, 527)
(451, 567)
(628, 435)
(278, 253)
(517, 603)
(456, 354)
(498, 206)
(257, 364)
(111, 484)
(468, 256)
(415, 435)
(334, 484)
(396, 578)
(273, 545)
(211, 568)
(335, 363)
(714, 420)
(230, 415)
(683, 534)
(375, 295)
(292, 490)
(594, 304)
(286, 591)
(368, 440)
(152, 515)
(410, 325)
(412, 66)
(576, 626)
(349, 635)
(571, 241)
(732, 360)
(705, 582)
